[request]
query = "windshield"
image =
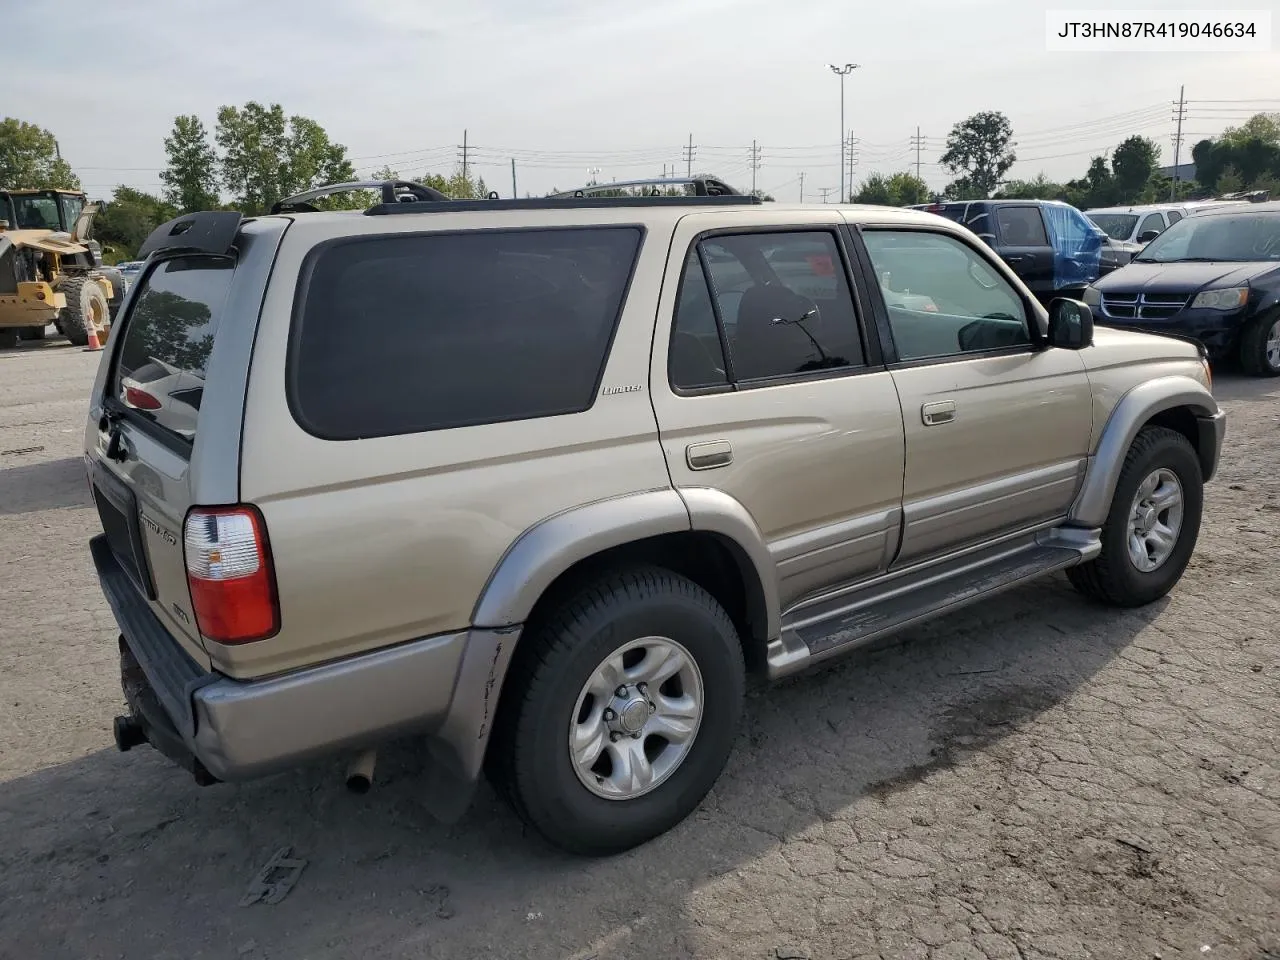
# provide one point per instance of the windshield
(1239, 237)
(1117, 226)
(36, 213)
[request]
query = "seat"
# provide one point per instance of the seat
(769, 341)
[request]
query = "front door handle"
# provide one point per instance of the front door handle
(942, 411)
(708, 455)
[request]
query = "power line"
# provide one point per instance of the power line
(688, 156)
(755, 164)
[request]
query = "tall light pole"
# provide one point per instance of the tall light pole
(842, 72)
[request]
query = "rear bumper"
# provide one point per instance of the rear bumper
(441, 686)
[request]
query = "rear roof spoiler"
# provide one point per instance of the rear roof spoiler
(212, 232)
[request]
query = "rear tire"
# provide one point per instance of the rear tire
(1138, 523)
(1260, 346)
(8, 338)
(86, 306)
(32, 333)
(550, 724)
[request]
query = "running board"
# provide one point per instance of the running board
(822, 630)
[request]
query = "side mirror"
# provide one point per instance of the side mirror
(1070, 324)
(1148, 236)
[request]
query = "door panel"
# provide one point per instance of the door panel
(997, 431)
(1023, 242)
(816, 457)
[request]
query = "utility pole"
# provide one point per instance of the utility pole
(688, 157)
(842, 72)
(1178, 114)
(464, 156)
(918, 142)
(514, 194)
(847, 196)
(802, 186)
(755, 164)
(826, 192)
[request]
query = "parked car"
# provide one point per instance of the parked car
(129, 270)
(1214, 277)
(1132, 228)
(1052, 246)
(544, 480)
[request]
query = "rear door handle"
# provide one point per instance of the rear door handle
(708, 455)
(942, 411)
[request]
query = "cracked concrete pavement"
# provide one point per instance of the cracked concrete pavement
(1034, 778)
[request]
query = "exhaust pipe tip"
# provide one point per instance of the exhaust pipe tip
(360, 773)
(128, 733)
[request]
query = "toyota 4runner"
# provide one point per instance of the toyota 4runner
(545, 481)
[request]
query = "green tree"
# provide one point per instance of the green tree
(128, 219)
(266, 157)
(29, 158)
(1041, 188)
(962, 188)
(1230, 181)
(1133, 162)
(1261, 126)
(191, 177)
(980, 151)
(894, 190)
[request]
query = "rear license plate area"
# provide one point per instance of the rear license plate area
(118, 511)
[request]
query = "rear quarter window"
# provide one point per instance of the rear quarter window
(414, 333)
(167, 339)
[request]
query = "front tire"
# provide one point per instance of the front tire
(1151, 530)
(598, 770)
(86, 307)
(1260, 346)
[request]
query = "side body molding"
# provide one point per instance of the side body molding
(1134, 409)
(548, 549)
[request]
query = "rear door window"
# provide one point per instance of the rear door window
(414, 333)
(167, 339)
(1153, 221)
(1022, 227)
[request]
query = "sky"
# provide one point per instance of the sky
(567, 87)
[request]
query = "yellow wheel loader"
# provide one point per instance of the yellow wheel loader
(50, 271)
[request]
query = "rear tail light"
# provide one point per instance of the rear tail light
(233, 586)
(139, 399)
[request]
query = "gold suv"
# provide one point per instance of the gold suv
(544, 481)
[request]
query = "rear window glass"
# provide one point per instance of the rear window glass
(168, 337)
(1022, 226)
(409, 334)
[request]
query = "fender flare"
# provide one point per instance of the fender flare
(1133, 411)
(545, 551)
(552, 546)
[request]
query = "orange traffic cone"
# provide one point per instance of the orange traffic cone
(94, 343)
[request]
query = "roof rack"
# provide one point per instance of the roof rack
(568, 202)
(702, 187)
(393, 191)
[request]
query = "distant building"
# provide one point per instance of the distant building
(1186, 171)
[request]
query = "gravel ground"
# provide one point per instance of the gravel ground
(1036, 777)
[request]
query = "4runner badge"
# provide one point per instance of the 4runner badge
(614, 391)
(158, 530)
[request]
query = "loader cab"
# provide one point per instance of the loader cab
(56, 210)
